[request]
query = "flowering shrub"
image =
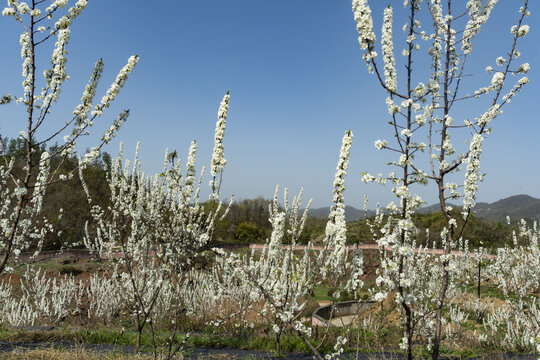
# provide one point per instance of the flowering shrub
(42, 301)
(517, 273)
(160, 225)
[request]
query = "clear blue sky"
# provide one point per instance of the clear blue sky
(297, 83)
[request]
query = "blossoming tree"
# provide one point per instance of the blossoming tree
(517, 274)
(22, 196)
(159, 223)
(284, 279)
(421, 109)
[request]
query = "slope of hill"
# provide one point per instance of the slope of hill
(517, 207)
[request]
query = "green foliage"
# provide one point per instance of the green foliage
(313, 230)
(64, 204)
(246, 216)
(344, 295)
(69, 196)
(358, 232)
(17, 149)
(477, 231)
(249, 233)
(250, 211)
(70, 270)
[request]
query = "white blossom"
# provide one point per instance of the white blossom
(524, 68)
(406, 132)
(379, 144)
(521, 32)
(472, 174)
(498, 79)
(115, 87)
(478, 16)
(364, 25)
(218, 161)
(388, 51)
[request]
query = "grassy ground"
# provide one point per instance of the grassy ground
(255, 340)
(75, 354)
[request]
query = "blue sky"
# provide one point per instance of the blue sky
(297, 83)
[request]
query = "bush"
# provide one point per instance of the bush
(249, 233)
(70, 270)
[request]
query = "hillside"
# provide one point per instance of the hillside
(517, 207)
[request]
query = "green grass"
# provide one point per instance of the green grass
(251, 341)
(255, 340)
(321, 293)
(70, 270)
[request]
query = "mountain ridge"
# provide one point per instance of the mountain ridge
(517, 207)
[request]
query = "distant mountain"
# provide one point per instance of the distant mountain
(517, 207)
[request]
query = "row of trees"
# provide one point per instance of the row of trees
(246, 222)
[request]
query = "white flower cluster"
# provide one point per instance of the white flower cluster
(218, 161)
(110, 133)
(189, 182)
(57, 74)
(41, 182)
(478, 16)
(9, 11)
(517, 274)
(498, 79)
(392, 107)
(472, 175)
(387, 44)
(489, 115)
(341, 341)
(521, 32)
(336, 229)
(379, 144)
(26, 55)
(57, 4)
(65, 21)
(364, 25)
(42, 301)
(82, 110)
(524, 68)
(115, 87)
